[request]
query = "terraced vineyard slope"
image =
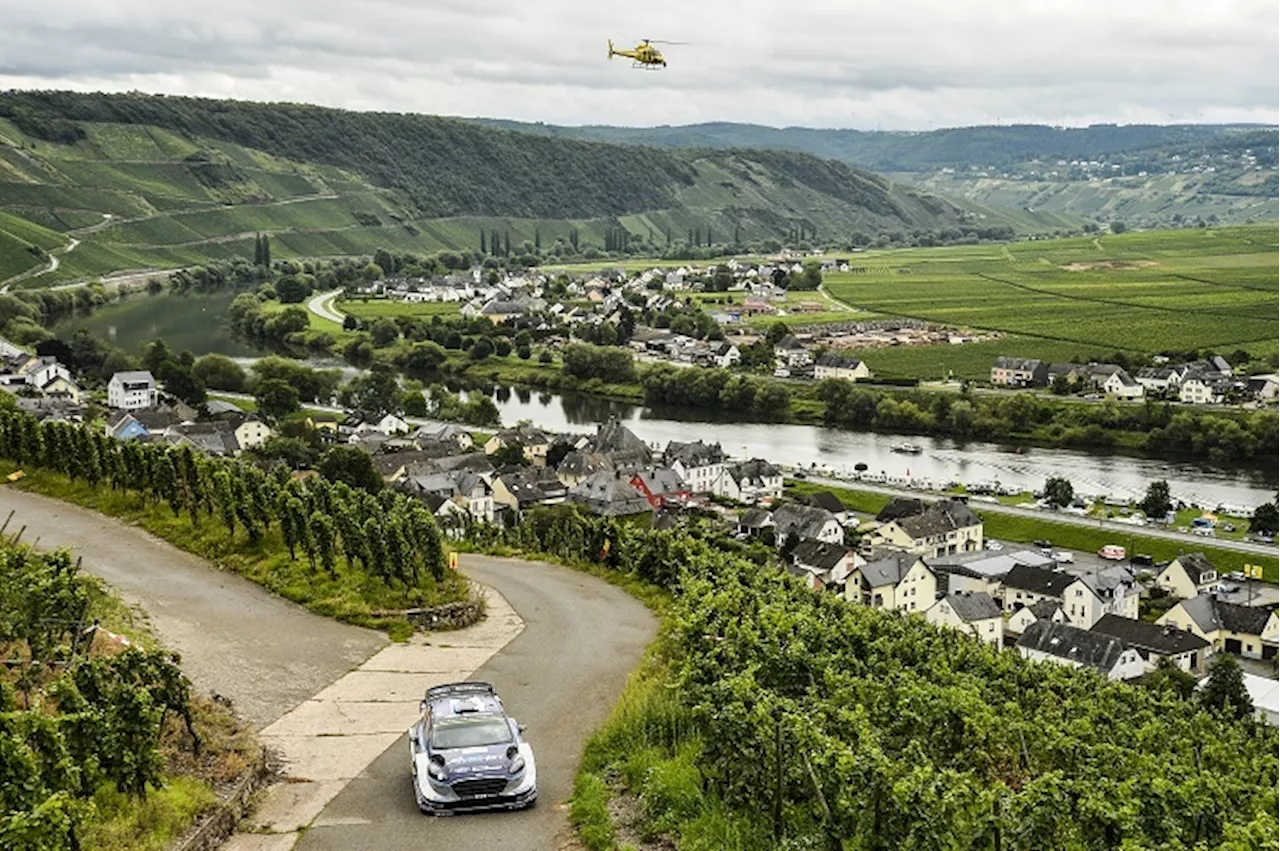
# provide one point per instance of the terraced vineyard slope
(147, 182)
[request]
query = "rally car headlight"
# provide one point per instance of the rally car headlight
(517, 765)
(437, 770)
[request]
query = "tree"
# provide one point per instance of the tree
(373, 272)
(510, 455)
(1118, 227)
(776, 332)
(180, 381)
(374, 392)
(480, 349)
(351, 466)
(1058, 491)
(1156, 503)
(1264, 519)
(276, 399)
(291, 289)
(350, 323)
(219, 372)
(385, 332)
(1225, 692)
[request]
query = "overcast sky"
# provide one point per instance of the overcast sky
(887, 64)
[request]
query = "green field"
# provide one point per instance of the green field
(378, 308)
(1059, 299)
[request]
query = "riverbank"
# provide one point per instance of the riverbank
(1073, 534)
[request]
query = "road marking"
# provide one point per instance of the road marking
(329, 739)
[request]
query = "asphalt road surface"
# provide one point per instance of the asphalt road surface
(560, 677)
(264, 652)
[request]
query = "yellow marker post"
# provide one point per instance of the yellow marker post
(453, 561)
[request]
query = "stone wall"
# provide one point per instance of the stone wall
(448, 616)
(219, 824)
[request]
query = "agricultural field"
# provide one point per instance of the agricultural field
(1141, 292)
(378, 308)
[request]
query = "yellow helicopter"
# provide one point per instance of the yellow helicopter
(645, 55)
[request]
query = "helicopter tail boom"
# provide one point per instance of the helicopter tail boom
(611, 51)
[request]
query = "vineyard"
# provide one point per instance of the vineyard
(102, 744)
(776, 717)
(339, 550)
(1143, 293)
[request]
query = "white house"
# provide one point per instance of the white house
(1048, 610)
(1122, 385)
(725, 354)
(699, 464)
(1180, 648)
(1249, 631)
(833, 365)
(791, 353)
(807, 523)
(749, 481)
(251, 432)
(897, 580)
(1089, 598)
(1199, 391)
(132, 390)
(946, 527)
(1187, 575)
(975, 614)
(1044, 641)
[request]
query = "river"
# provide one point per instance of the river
(198, 322)
(942, 460)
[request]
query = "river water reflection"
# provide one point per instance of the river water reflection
(941, 459)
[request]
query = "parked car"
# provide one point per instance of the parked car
(1064, 557)
(466, 753)
(1236, 576)
(1228, 588)
(1112, 552)
(1142, 560)
(1046, 547)
(994, 546)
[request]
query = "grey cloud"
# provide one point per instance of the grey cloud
(893, 63)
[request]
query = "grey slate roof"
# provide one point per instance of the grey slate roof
(1195, 565)
(805, 521)
(945, 516)
(899, 507)
(1092, 649)
(973, 606)
(988, 565)
(135, 375)
(888, 570)
(582, 464)
(1037, 580)
(789, 342)
(1027, 364)
(662, 480)
(829, 501)
(695, 454)
(837, 361)
(1212, 614)
(755, 518)
(753, 472)
(619, 442)
(819, 554)
(1164, 640)
(609, 494)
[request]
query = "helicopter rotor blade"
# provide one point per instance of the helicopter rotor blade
(660, 41)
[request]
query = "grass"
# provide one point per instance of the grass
(352, 597)
(379, 308)
(1024, 530)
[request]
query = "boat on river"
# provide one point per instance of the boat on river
(906, 448)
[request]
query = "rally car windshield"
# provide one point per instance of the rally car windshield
(469, 732)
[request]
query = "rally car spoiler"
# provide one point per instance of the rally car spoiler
(437, 692)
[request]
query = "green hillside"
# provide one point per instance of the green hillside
(149, 182)
(1035, 177)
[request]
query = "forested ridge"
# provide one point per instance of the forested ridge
(891, 150)
(443, 166)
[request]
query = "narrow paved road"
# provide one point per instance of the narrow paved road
(319, 304)
(237, 640)
(560, 677)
